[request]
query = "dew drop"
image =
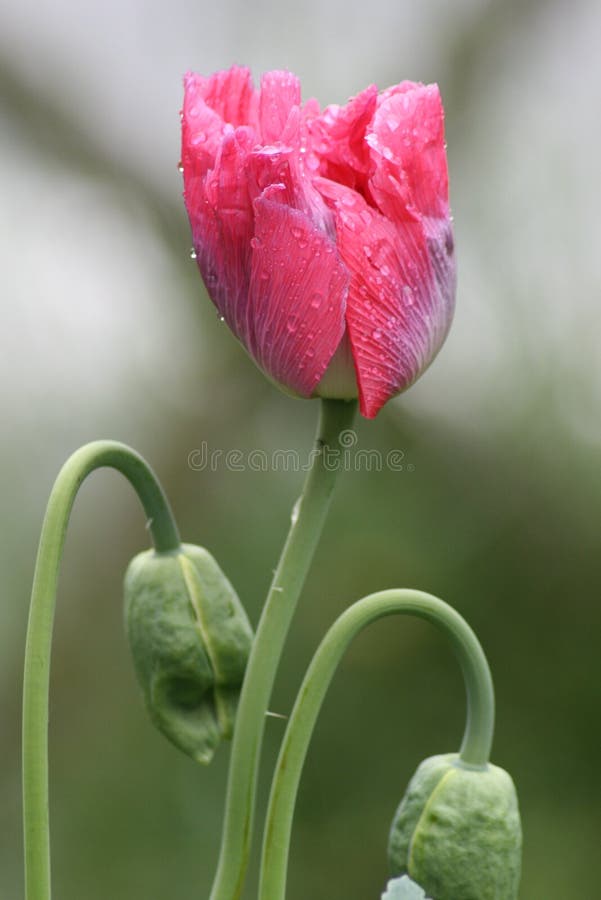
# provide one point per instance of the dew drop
(296, 232)
(376, 334)
(180, 167)
(199, 138)
(316, 300)
(193, 253)
(292, 324)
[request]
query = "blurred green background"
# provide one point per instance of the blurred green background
(106, 332)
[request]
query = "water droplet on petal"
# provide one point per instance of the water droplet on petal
(180, 167)
(296, 232)
(316, 300)
(292, 324)
(376, 334)
(192, 253)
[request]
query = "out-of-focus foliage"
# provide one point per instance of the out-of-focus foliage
(107, 332)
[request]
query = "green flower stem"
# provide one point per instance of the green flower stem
(39, 632)
(477, 738)
(307, 522)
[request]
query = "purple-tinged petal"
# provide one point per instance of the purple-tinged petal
(297, 295)
(222, 220)
(400, 298)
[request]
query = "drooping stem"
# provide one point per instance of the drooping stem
(477, 739)
(307, 522)
(39, 631)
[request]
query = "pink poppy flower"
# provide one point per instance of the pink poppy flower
(323, 237)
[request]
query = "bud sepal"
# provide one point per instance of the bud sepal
(190, 640)
(457, 831)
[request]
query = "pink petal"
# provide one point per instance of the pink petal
(406, 139)
(338, 137)
(284, 166)
(280, 92)
(230, 93)
(221, 217)
(400, 298)
(297, 295)
(202, 128)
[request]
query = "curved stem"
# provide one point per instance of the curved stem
(307, 522)
(477, 739)
(39, 631)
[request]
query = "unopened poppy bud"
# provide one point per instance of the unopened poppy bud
(190, 639)
(457, 831)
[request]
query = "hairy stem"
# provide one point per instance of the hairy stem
(39, 631)
(477, 739)
(307, 523)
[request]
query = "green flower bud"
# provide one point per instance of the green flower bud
(190, 639)
(457, 831)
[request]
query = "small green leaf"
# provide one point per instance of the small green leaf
(403, 889)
